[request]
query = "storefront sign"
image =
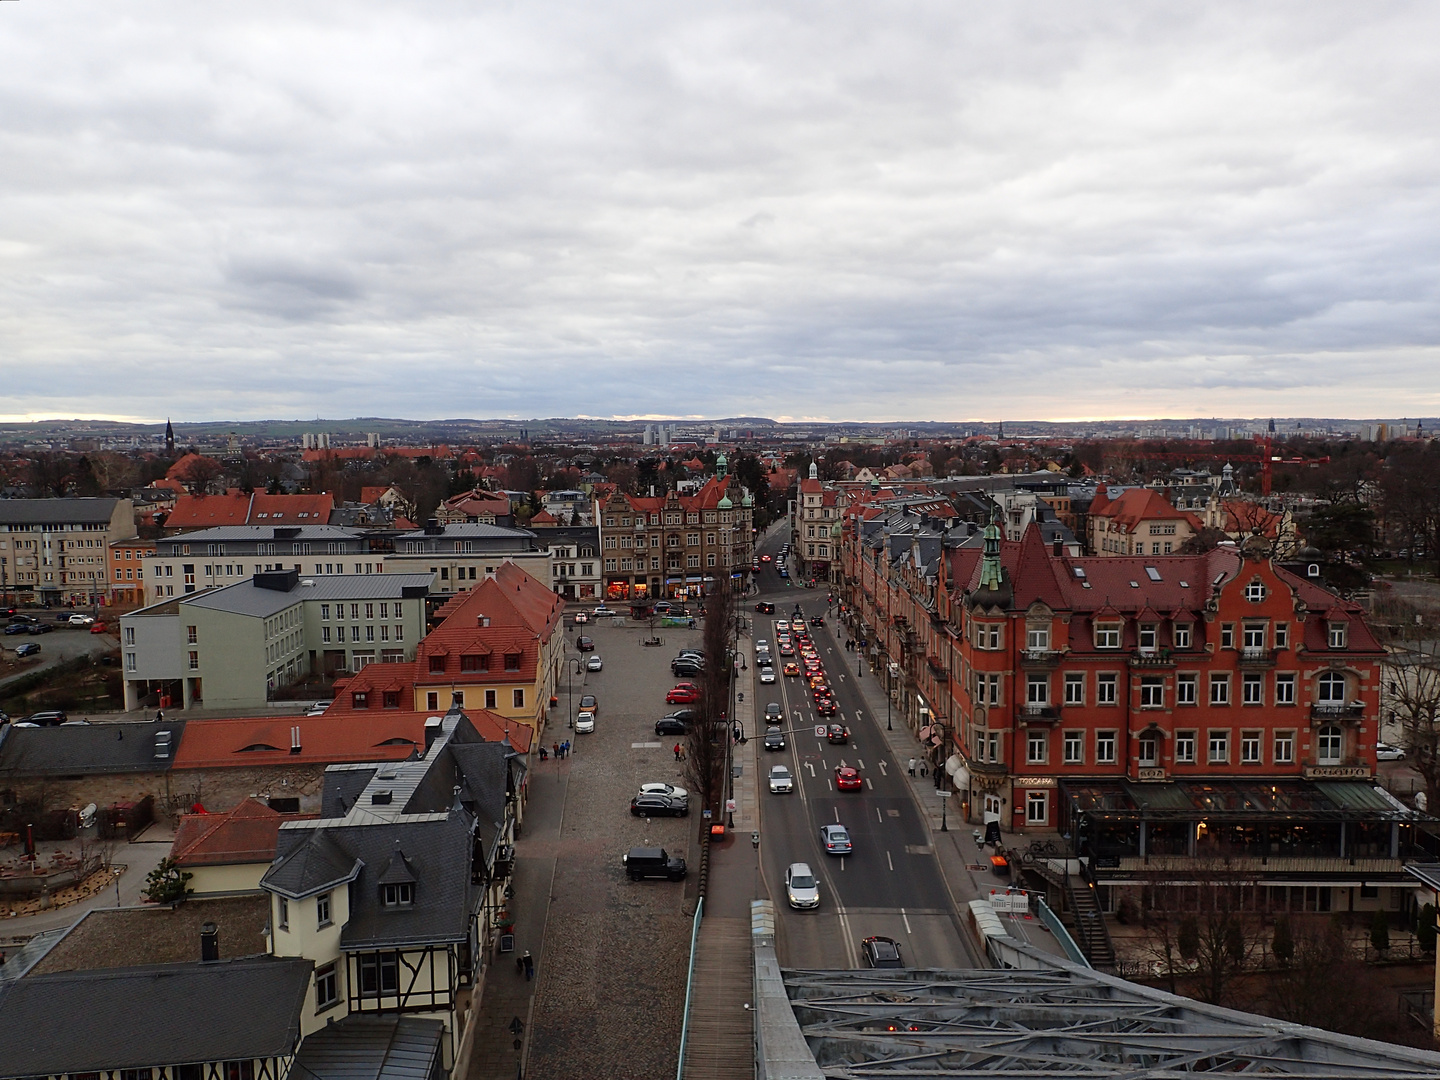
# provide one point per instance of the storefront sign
(1034, 781)
(1336, 772)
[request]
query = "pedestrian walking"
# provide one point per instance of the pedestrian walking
(555, 749)
(912, 766)
(566, 747)
(922, 768)
(677, 751)
(529, 965)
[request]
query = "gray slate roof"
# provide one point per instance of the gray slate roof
(438, 850)
(239, 534)
(362, 1047)
(86, 751)
(245, 598)
(146, 1016)
(56, 511)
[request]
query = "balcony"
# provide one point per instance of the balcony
(1257, 657)
(1330, 712)
(1151, 659)
(936, 666)
(1040, 658)
(1030, 713)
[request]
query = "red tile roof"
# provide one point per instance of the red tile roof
(523, 614)
(237, 508)
(1135, 505)
(246, 834)
(372, 735)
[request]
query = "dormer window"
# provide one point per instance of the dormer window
(360, 699)
(1107, 636)
(475, 662)
(1037, 639)
(400, 894)
(437, 664)
(1338, 635)
(512, 661)
(1149, 636)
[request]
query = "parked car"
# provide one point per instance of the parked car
(659, 806)
(80, 620)
(589, 702)
(686, 667)
(670, 725)
(1386, 752)
(29, 648)
(661, 788)
(774, 739)
(801, 887)
(780, 780)
(16, 628)
(594, 663)
(882, 952)
(684, 694)
(767, 674)
(652, 863)
(41, 628)
(847, 778)
(47, 718)
(585, 722)
(835, 839)
(585, 644)
(98, 628)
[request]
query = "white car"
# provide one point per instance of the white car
(767, 674)
(780, 780)
(1386, 752)
(594, 663)
(585, 722)
(602, 612)
(801, 887)
(664, 789)
(81, 620)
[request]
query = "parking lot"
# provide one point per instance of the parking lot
(612, 986)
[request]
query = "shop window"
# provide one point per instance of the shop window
(1037, 807)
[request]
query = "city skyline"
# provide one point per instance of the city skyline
(638, 210)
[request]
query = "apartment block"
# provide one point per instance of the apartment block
(57, 551)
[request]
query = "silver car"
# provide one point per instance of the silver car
(780, 780)
(801, 887)
(836, 839)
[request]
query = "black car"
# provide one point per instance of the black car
(682, 669)
(837, 733)
(670, 725)
(765, 607)
(46, 718)
(17, 628)
(41, 628)
(585, 644)
(659, 806)
(653, 863)
(825, 706)
(774, 739)
(774, 712)
(817, 620)
(882, 952)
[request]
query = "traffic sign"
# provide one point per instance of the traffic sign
(819, 731)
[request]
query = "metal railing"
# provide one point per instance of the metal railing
(689, 985)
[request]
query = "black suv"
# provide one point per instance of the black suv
(652, 862)
(686, 667)
(653, 805)
(671, 725)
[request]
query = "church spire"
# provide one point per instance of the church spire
(169, 437)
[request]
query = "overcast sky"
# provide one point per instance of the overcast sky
(930, 211)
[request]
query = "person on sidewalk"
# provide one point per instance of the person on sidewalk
(912, 766)
(555, 749)
(677, 751)
(543, 755)
(529, 966)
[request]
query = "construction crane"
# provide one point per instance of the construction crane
(1267, 458)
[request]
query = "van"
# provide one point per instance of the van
(647, 862)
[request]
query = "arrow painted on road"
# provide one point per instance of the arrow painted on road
(811, 766)
(881, 763)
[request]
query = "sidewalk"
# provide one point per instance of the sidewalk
(506, 994)
(138, 859)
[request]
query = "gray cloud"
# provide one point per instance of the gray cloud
(929, 210)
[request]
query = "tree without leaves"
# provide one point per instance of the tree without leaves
(1412, 685)
(1206, 925)
(707, 739)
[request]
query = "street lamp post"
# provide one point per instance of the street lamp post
(572, 665)
(944, 805)
(889, 675)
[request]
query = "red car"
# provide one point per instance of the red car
(98, 628)
(684, 694)
(847, 779)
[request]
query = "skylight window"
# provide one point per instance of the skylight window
(1154, 573)
(1184, 584)
(1134, 584)
(1080, 572)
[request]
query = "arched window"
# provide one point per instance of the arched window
(1329, 744)
(1332, 688)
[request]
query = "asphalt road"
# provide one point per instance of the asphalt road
(891, 884)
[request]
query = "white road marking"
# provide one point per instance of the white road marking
(906, 920)
(837, 817)
(828, 785)
(859, 713)
(869, 784)
(811, 766)
(891, 863)
(644, 746)
(878, 816)
(842, 864)
(859, 763)
(845, 931)
(881, 763)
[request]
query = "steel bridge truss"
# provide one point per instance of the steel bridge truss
(1060, 1023)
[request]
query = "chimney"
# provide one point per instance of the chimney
(432, 731)
(295, 739)
(482, 620)
(1059, 546)
(209, 943)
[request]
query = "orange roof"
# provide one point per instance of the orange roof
(371, 735)
(168, 485)
(374, 679)
(371, 495)
(181, 468)
(246, 834)
(1139, 504)
(237, 508)
(342, 453)
(544, 517)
